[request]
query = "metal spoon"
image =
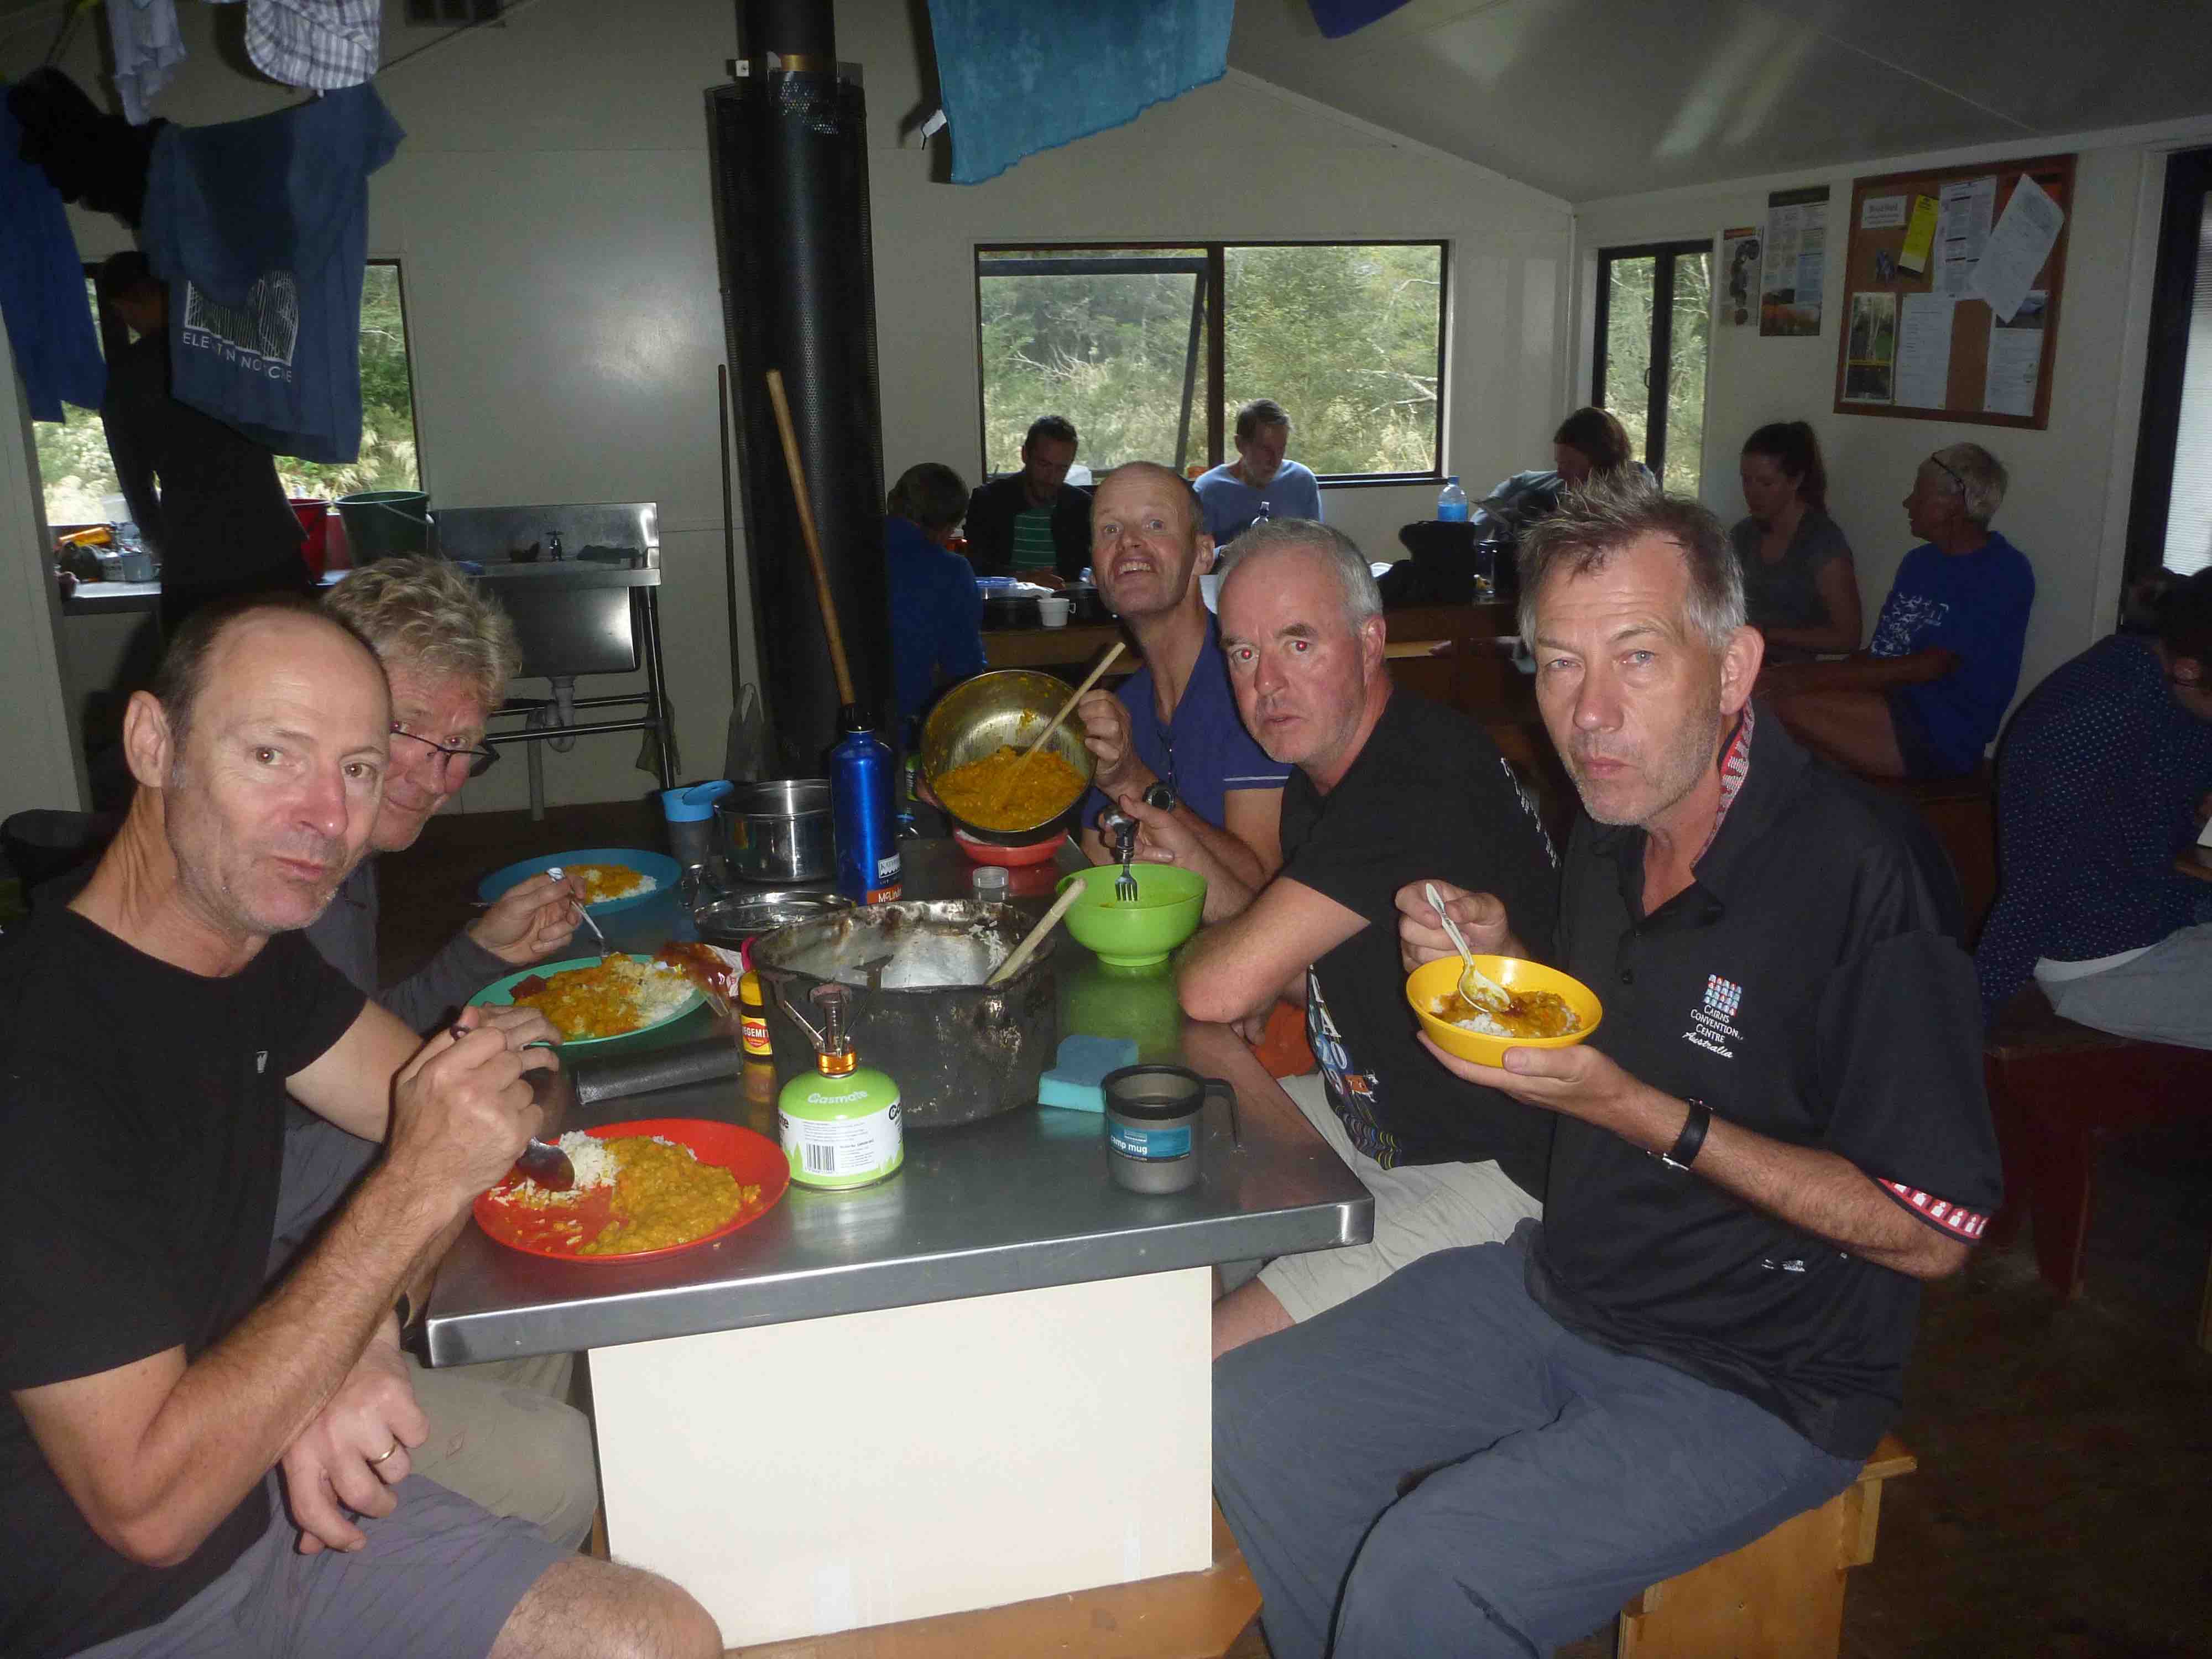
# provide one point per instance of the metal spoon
(583, 915)
(1475, 985)
(541, 1160)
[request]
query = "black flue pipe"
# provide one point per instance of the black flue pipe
(787, 143)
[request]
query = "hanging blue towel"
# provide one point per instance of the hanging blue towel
(1339, 18)
(42, 289)
(1019, 77)
(260, 227)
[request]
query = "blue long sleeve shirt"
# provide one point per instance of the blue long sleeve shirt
(937, 616)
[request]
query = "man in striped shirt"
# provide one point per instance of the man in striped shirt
(1033, 524)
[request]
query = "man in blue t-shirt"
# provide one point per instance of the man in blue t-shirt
(1926, 697)
(1234, 493)
(1174, 720)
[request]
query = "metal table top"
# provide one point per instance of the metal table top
(1016, 1202)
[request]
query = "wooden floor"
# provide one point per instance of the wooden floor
(2065, 1449)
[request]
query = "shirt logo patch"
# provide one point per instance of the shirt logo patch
(1709, 1027)
(260, 1061)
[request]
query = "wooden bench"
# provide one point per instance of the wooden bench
(1188, 1615)
(2057, 1091)
(1779, 1597)
(1962, 813)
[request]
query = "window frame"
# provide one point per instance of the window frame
(1659, 371)
(1213, 283)
(2187, 201)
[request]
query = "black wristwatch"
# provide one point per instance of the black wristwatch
(1691, 1140)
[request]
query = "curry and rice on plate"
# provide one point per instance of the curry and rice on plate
(611, 998)
(605, 882)
(662, 1195)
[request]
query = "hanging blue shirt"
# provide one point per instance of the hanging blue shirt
(1974, 605)
(937, 615)
(42, 288)
(1204, 750)
(1231, 504)
(260, 227)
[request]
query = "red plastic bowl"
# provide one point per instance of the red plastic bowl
(983, 852)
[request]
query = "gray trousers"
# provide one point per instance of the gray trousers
(1551, 1478)
(2164, 995)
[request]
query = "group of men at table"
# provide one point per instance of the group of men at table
(1629, 1304)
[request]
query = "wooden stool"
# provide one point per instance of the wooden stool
(2056, 1091)
(1185, 1615)
(1779, 1597)
(1963, 814)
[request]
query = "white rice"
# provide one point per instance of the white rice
(595, 1166)
(659, 988)
(1484, 1023)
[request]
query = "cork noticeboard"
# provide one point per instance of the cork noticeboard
(1934, 257)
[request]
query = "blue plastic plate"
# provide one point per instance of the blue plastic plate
(662, 868)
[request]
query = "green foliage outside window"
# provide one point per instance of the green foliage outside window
(1346, 337)
(77, 472)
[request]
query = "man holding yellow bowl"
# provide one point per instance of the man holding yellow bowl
(1775, 1133)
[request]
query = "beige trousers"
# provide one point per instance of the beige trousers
(503, 1436)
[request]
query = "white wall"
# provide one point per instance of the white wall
(2068, 502)
(551, 212)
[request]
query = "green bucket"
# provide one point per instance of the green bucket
(381, 523)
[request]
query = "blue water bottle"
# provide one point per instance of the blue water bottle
(1451, 503)
(860, 790)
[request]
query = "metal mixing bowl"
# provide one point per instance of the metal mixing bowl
(979, 715)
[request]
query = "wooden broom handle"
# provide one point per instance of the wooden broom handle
(798, 471)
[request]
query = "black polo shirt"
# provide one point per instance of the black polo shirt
(1803, 986)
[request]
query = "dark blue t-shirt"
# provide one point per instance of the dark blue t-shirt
(937, 616)
(260, 227)
(1975, 606)
(1205, 751)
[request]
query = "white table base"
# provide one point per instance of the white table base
(834, 1473)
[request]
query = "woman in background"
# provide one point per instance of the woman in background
(937, 614)
(1800, 586)
(1591, 443)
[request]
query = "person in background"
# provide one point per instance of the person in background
(1926, 696)
(1033, 524)
(2103, 775)
(1387, 789)
(198, 1462)
(937, 613)
(502, 1432)
(1233, 493)
(1174, 721)
(205, 497)
(1800, 586)
(1591, 443)
(1778, 1131)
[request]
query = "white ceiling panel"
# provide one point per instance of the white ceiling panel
(1595, 98)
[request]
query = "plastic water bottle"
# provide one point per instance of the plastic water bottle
(861, 789)
(1451, 503)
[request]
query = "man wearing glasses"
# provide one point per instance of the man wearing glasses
(1926, 696)
(499, 1434)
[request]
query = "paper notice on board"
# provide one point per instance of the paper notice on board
(1870, 349)
(1919, 236)
(1923, 351)
(1796, 261)
(1962, 230)
(2016, 357)
(1739, 266)
(1882, 213)
(2017, 248)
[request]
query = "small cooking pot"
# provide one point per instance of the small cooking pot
(779, 831)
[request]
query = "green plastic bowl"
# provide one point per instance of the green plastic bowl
(1137, 935)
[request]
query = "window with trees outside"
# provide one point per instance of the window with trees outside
(1151, 350)
(1655, 306)
(75, 470)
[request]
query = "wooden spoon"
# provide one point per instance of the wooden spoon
(1022, 953)
(1013, 772)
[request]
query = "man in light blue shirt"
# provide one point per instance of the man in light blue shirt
(1233, 494)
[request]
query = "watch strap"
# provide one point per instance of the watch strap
(1691, 1140)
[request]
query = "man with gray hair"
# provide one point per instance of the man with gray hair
(501, 1433)
(1387, 788)
(1926, 696)
(1258, 483)
(1776, 1131)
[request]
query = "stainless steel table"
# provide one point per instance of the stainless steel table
(983, 1380)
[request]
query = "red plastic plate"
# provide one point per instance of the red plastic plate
(555, 1233)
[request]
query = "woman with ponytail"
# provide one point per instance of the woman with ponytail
(1799, 582)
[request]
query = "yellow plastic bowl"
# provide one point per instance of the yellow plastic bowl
(1434, 981)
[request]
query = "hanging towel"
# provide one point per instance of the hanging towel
(1019, 77)
(147, 50)
(260, 227)
(42, 289)
(323, 44)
